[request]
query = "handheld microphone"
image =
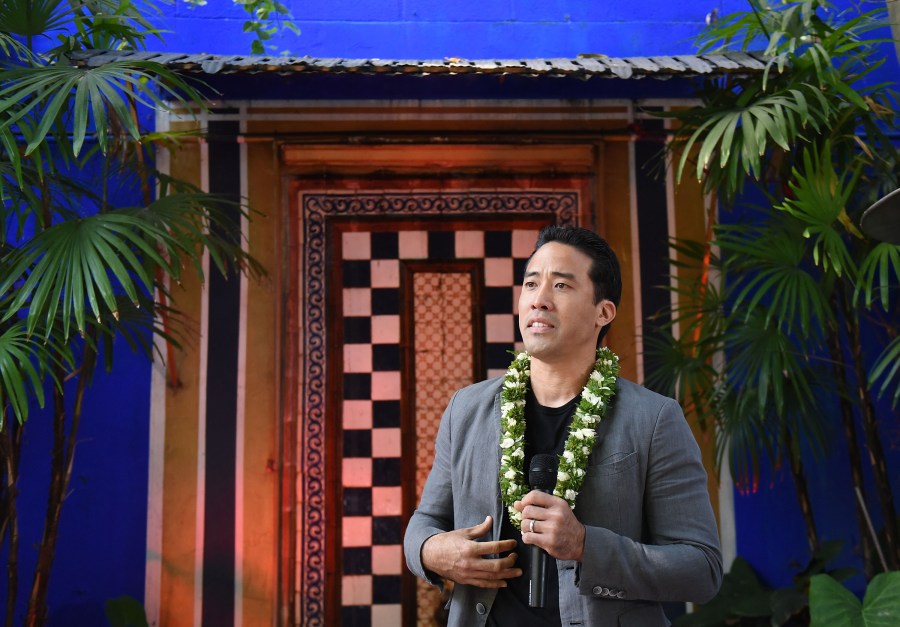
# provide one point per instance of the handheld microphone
(541, 476)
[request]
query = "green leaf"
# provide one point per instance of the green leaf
(125, 611)
(879, 265)
(887, 369)
(24, 364)
(850, 94)
(881, 604)
(832, 605)
(710, 142)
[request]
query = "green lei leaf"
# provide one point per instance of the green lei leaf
(600, 388)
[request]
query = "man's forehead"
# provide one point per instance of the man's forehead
(558, 259)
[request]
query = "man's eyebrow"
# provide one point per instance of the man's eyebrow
(561, 275)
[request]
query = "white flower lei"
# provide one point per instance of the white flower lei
(600, 388)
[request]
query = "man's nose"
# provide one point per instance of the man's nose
(541, 299)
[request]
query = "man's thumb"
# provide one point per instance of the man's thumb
(481, 529)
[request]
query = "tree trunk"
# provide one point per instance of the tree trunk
(873, 443)
(60, 475)
(853, 452)
(11, 445)
(796, 465)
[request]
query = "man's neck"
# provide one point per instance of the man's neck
(554, 385)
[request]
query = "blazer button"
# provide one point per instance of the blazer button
(597, 591)
(621, 594)
(479, 607)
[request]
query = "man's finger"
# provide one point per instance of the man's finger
(494, 547)
(541, 499)
(499, 565)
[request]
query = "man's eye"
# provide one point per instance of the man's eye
(529, 283)
(561, 286)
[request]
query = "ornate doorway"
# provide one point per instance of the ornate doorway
(406, 296)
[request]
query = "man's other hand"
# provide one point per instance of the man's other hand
(456, 555)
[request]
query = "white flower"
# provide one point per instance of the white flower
(585, 450)
(507, 442)
(507, 407)
(571, 494)
(597, 376)
(515, 515)
(510, 474)
(562, 475)
(583, 434)
(579, 472)
(519, 453)
(513, 487)
(591, 398)
(569, 456)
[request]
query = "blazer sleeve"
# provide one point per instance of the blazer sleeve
(678, 556)
(435, 512)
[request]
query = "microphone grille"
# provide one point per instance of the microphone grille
(542, 472)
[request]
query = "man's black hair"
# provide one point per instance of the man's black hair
(604, 272)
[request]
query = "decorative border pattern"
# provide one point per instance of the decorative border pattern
(315, 209)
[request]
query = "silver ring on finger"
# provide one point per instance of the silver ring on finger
(531, 528)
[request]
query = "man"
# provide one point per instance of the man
(630, 524)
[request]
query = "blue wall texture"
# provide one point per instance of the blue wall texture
(102, 541)
(471, 29)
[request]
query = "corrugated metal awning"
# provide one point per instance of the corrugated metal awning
(585, 66)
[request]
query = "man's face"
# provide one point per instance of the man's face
(557, 314)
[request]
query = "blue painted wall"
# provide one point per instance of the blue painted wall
(102, 537)
(472, 29)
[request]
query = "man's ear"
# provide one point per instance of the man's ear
(606, 313)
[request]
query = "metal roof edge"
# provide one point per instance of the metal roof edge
(583, 66)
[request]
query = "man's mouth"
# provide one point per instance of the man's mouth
(539, 324)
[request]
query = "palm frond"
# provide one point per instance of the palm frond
(875, 272)
(745, 131)
(686, 371)
(25, 365)
(198, 218)
(887, 369)
(765, 361)
(112, 25)
(747, 440)
(820, 203)
(99, 98)
(81, 263)
(137, 324)
(767, 267)
(33, 18)
(78, 267)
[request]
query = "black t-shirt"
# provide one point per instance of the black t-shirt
(546, 429)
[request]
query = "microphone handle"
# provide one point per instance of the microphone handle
(537, 593)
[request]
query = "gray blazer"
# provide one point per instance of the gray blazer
(650, 531)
